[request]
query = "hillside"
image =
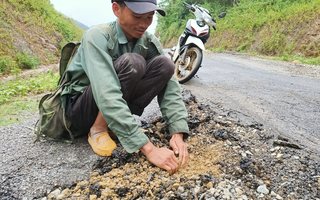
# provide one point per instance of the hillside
(81, 25)
(32, 33)
(289, 29)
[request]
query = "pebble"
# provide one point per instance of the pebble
(210, 185)
(62, 196)
(279, 197)
(273, 194)
(296, 157)
(195, 177)
(54, 194)
(249, 153)
(175, 186)
(180, 189)
(239, 191)
(279, 156)
(263, 189)
(296, 62)
(244, 197)
(184, 195)
(212, 190)
(196, 190)
(226, 194)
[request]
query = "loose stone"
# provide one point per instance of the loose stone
(210, 185)
(226, 194)
(263, 189)
(180, 189)
(279, 197)
(239, 191)
(54, 194)
(279, 156)
(195, 177)
(175, 186)
(273, 194)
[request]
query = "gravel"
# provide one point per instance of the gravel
(228, 160)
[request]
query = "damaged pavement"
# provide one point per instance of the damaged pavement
(231, 157)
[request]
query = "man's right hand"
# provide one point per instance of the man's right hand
(161, 157)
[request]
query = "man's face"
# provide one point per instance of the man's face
(133, 25)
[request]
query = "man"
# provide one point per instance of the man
(108, 88)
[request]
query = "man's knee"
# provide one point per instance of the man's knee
(166, 65)
(130, 64)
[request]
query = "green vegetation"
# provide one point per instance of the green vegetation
(32, 33)
(285, 29)
(25, 61)
(21, 95)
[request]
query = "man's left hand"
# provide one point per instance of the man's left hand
(179, 147)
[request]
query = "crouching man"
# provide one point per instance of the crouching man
(117, 75)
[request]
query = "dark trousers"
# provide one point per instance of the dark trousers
(140, 83)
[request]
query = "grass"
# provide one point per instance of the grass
(14, 112)
(269, 27)
(20, 96)
(32, 33)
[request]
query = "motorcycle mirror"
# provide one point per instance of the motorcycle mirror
(222, 15)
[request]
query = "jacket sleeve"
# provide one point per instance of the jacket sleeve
(173, 108)
(170, 101)
(105, 84)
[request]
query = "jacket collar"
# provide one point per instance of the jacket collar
(122, 37)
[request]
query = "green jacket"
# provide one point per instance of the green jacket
(93, 65)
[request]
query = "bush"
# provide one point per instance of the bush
(26, 61)
(7, 64)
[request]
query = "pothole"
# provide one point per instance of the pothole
(226, 161)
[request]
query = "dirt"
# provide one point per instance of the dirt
(29, 73)
(227, 161)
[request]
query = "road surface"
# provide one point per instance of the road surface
(282, 96)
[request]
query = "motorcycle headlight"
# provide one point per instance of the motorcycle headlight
(207, 18)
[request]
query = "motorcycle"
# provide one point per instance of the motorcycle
(187, 55)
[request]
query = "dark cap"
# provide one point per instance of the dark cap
(142, 6)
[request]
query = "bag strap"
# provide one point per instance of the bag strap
(107, 28)
(67, 53)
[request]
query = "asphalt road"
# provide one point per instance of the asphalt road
(282, 96)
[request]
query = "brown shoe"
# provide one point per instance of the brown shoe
(103, 145)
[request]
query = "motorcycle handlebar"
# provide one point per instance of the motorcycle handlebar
(186, 5)
(189, 6)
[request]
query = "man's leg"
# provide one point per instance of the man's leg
(158, 72)
(84, 113)
(130, 68)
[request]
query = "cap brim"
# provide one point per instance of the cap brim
(144, 7)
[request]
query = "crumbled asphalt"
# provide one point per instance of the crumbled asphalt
(254, 164)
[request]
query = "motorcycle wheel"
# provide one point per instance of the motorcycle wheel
(192, 64)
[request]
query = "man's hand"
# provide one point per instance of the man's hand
(179, 147)
(161, 157)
